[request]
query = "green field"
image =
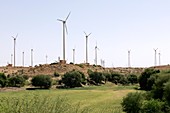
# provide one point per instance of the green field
(93, 99)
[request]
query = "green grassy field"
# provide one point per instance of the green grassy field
(93, 99)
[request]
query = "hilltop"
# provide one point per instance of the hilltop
(49, 69)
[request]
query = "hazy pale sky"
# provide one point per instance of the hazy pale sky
(116, 25)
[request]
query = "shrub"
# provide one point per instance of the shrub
(123, 80)
(73, 79)
(108, 76)
(158, 87)
(132, 102)
(3, 80)
(167, 92)
(133, 79)
(97, 77)
(42, 81)
(115, 77)
(152, 106)
(143, 78)
(16, 81)
(56, 74)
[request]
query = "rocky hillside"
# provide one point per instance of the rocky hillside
(49, 69)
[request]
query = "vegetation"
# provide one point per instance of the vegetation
(73, 79)
(97, 77)
(56, 74)
(156, 100)
(3, 80)
(16, 81)
(92, 99)
(42, 81)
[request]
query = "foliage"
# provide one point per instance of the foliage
(3, 80)
(97, 77)
(56, 74)
(167, 92)
(143, 79)
(158, 88)
(42, 81)
(133, 79)
(73, 79)
(152, 106)
(16, 81)
(132, 102)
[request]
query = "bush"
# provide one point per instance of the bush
(132, 102)
(3, 80)
(152, 106)
(167, 92)
(143, 78)
(73, 79)
(56, 74)
(42, 81)
(158, 87)
(16, 81)
(133, 79)
(97, 77)
(115, 77)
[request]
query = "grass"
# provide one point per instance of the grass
(93, 99)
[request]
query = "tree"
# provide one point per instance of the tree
(152, 106)
(143, 78)
(97, 77)
(3, 80)
(73, 79)
(132, 102)
(133, 79)
(42, 81)
(16, 81)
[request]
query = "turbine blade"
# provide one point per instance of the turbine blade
(16, 35)
(66, 28)
(60, 20)
(89, 34)
(85, 33)
(68, 16)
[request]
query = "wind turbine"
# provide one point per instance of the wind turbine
(14, 46)
(74, 56)
(11, 58)
(46, 58)
(64, 28)
(86, 46)
(155, 55)
(159, 58)
(96, 48)
(23, 58)
(31, 57)
(129, 58)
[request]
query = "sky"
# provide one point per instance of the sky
(117, 26)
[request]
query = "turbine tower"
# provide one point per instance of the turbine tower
(64, 28)
(14, 46)
(155, 56)
(159, 58)
(96, 48)
(31, 57)
(74, 56)
(46, 58)
(128, 58)
(23, 58)
(87, 46)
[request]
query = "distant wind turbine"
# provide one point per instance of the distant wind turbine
(96, 48)
(64, 28)
(87, 46)
(74, 56)
(155, 56)
(14, 46)
(128, 58)
(23, 59)
(31, 57)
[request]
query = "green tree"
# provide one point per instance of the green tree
(152, 106)
(3, 80)
(133, 79)
(132, 102)
(73, 79)
(97, 77)
(16, 81)
(42, 81)
(143, 78)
